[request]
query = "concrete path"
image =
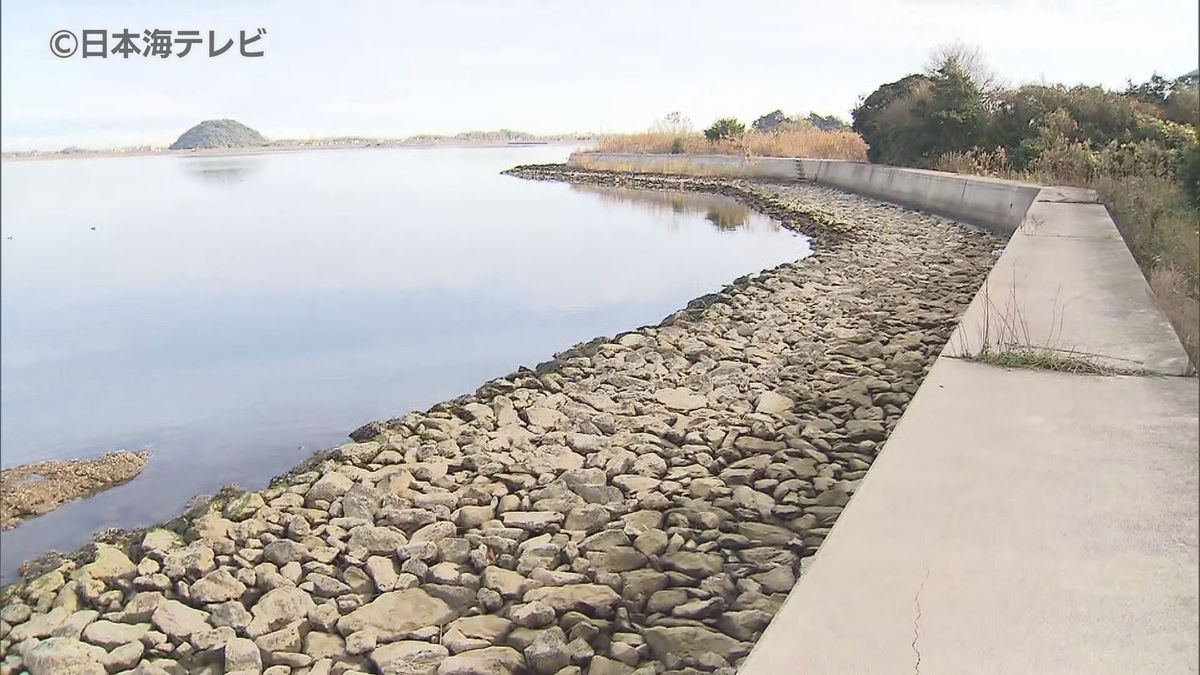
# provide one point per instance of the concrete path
(1023, 521)
(1067, 282)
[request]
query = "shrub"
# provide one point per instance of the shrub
(1065, 162)
(916, 120)
(1170, 134)
(1183, 106)
(884, 117)
(770, 122)
(977, 162)
(726, 128)
(827, 122)
(1137, 148)
(776, 121)
(1138, 158)
(954, 118)
(1189, 173)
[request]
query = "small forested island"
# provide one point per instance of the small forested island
(219, 134)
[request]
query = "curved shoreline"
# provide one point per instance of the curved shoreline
(645, 499)
(376, 144)
(37, 488)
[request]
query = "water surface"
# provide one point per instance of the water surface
(234, 314)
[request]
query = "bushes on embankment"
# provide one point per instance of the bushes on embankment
(1137, 148)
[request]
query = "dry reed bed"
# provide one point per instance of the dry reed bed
(804, 142)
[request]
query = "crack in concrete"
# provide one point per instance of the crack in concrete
(917, 621)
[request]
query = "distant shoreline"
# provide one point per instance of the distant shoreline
(276, 148)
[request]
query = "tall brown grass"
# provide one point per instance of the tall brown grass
(670, 164)
(1163, 232)
(799, 141)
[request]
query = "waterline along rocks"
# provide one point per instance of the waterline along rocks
(33, 489)
(638, 504)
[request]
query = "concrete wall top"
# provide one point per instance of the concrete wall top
(995, 204)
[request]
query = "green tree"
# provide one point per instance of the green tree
(1189, 173)
(1183, 105)
(827, 122)
(1099, 117)
(724, 129)
(918, 118)
(881, 118)
(770, 122)
(1153, 91)
(953, 118)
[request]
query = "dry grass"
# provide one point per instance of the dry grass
(1158, 225)
(1170, 291)
(1005, 340)
(1047, 359)
(994, 163)
(802, 141)
(665, 164)
(1163, 233)
(657, 143)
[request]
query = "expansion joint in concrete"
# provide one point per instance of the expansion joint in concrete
(1034, 233)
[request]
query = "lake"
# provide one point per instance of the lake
(234, 314)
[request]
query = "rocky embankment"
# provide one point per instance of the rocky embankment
(638, 504)
(33, 489)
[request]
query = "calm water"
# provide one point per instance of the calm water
(234, 314)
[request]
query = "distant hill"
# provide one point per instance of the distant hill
(496, 136)
(219, 134)
(233, 134)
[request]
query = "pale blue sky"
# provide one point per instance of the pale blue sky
(401, 68)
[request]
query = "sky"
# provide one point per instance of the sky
(394, 69)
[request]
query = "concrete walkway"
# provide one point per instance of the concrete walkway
(1067, 282)
(1023, 521)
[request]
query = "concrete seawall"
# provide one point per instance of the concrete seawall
(997, 205)
(1018, 520)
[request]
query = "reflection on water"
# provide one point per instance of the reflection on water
(674, 205)
(221, 170)
(250, 310)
